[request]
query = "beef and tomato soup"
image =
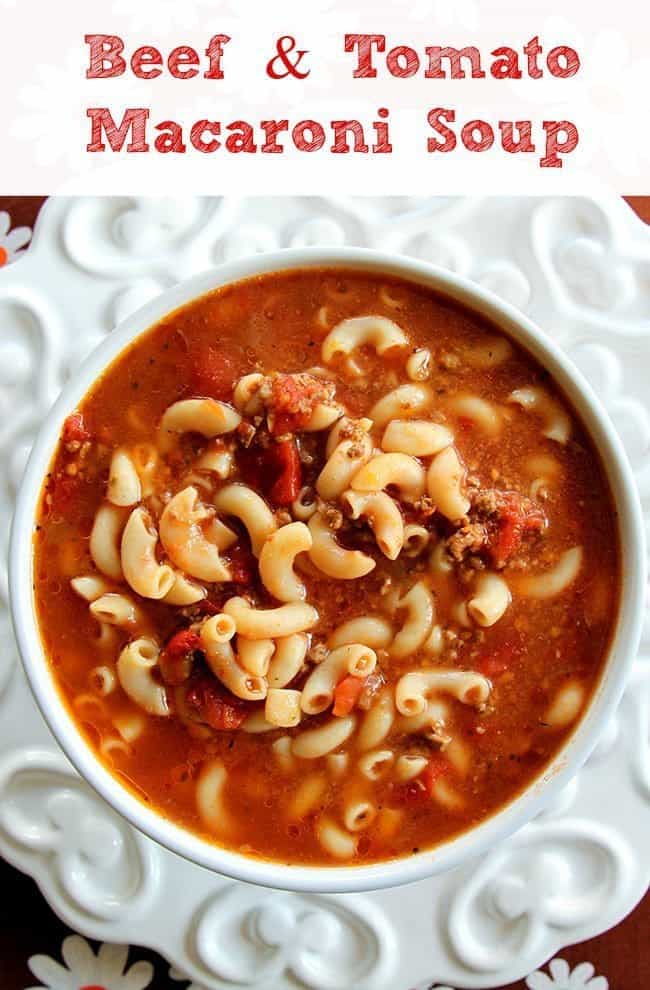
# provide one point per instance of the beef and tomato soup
(326, 567)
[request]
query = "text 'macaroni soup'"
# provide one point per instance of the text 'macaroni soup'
(326, 567)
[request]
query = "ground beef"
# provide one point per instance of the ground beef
(466, 541)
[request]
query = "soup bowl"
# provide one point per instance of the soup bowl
(568, 759)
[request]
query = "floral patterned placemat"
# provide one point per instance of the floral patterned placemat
(38, 952)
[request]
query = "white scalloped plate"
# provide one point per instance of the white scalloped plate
(581, 269)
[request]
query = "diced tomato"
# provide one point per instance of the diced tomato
(177, 657)
(517, 516)
(74, 429)
(215, 705)
(289, 480)
(347, 694)
(435, 768)
(213, 372)
(242, 564)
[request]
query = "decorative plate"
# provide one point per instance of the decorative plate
(581, 269)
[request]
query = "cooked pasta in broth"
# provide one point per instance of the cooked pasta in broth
(326, 567)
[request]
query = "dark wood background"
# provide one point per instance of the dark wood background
(28, 926)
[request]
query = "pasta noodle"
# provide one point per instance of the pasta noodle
(185, 541)
(384, 518)
(277, 558)
(139, 563)
(331, 558)
(135, 673)
(445, 483)
(414, 688)
(556, 423)
(377, 331)
(417, 437)
(270, 623)
(553, 582)
(310, 744)
(208, 417)
(318, 691)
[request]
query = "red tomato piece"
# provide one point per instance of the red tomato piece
(74, 429)
(177, 657)
(517, 516)
(243, 566)
(347, 694)
(215, 705)
(213, 372)
(289, 481)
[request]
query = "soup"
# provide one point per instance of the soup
(326, 568)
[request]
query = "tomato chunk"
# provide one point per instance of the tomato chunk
(74, 429)
(177, 657)
(289, 481)
(215, 705)
(347, 693)
(213, 372)
(243, 567)
(517, 516)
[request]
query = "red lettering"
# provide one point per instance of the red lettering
(316, 138)
(143, 57)
(557, 145)
(200, 128)
(364, 44)
(134, 122)
(104, 48)
(437, 118)
(485, 139)
(506, 64)
(241, 139)
(271, 129)
(382, 145)
(455, 57)
(570, 60)
(531, 50)
(214, 51)
(523, 142)
(183, 62)
(402, 62)
(341, 129)
(171, 138)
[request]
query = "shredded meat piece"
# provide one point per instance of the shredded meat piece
(466, 541)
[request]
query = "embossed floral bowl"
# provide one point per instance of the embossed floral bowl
(520, 810)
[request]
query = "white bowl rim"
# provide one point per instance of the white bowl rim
(528, 803)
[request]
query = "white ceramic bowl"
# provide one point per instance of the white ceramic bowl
(531, 801)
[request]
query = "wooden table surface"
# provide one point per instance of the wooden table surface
(29, 927)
